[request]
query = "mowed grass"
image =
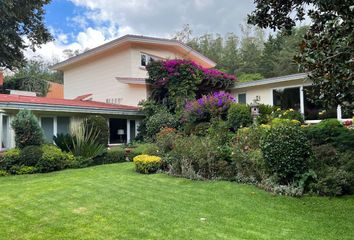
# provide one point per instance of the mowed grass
(114, 202)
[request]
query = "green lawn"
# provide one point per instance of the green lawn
(114, 202)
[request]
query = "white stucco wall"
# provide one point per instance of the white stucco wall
(265, 92)
(98, 75)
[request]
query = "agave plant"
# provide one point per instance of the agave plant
(85, 142)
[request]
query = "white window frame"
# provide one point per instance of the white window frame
(148, 58)
(302, 101)
(55, 122)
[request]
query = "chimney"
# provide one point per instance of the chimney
(1, 78)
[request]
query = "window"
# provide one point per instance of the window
(146, 59)
(47, 124)
(241, 98)
(63, 125)
(286, 98)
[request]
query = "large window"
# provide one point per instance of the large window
(287, 98)
(47, 124)
(63, 125)
(117, 130)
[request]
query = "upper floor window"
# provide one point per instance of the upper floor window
(146, 59)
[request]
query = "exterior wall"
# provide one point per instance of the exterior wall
(98, 75)
(265, 92)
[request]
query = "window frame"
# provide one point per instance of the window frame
(238, 99)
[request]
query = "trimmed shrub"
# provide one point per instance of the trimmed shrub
(10, 158)
(30, 155)
(116, 155)
(286, 152)
(27, 129)
(3, 173)
(99, 125)
(281, 121)
(53, 159)
(324, 131)
(147, 164)
(26, 170)
(64, 141)
(160, 120)
(238, 116)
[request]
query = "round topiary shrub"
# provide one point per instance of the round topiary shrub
(30, 155)
(147, 164)
(27, 129)
(286, 152)
(99, 125)
(239, 115)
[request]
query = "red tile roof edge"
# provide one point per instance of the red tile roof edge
(63, 102)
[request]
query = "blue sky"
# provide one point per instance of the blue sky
(84, 24)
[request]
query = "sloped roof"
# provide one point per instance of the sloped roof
(134, 39)
(266, 81)
(56, 104)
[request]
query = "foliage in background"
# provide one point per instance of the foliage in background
(27, 129)
(326, 50)
(100, 125)
(19, 20)
(250, 56)
(63, 141)
(290, 114)
(173, 82)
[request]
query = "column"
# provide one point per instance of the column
(302, 101)
(339, 113)
(128, 131)
(1, 131)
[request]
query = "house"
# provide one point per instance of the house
(108, 80)
(115, 72)
(286, 92)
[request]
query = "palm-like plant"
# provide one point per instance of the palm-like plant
(85, 142)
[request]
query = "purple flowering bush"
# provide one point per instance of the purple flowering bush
(172, 82)
(215, 105)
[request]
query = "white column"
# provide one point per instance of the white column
(339, 113)
(302, 101)
(55, 126)
(128, 131)
(137, 123)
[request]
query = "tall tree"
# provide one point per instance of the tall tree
(327, 49)
(21, 27)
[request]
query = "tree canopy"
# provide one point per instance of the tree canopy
(327, 48)
(21, 27)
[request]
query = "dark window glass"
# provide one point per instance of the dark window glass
(286, 98)
(117, 130)
(314, 110)
(242, 98)
(63, 124)
(132, 130)
(47, 124)
(143, 60)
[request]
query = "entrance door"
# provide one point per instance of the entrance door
(117, 131)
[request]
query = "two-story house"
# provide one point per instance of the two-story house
(108, 80)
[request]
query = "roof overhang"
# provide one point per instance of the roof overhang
(68, 109)
(132, 39)
(267, 81)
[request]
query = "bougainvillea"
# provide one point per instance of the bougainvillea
(173, 82)
(207, 107)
